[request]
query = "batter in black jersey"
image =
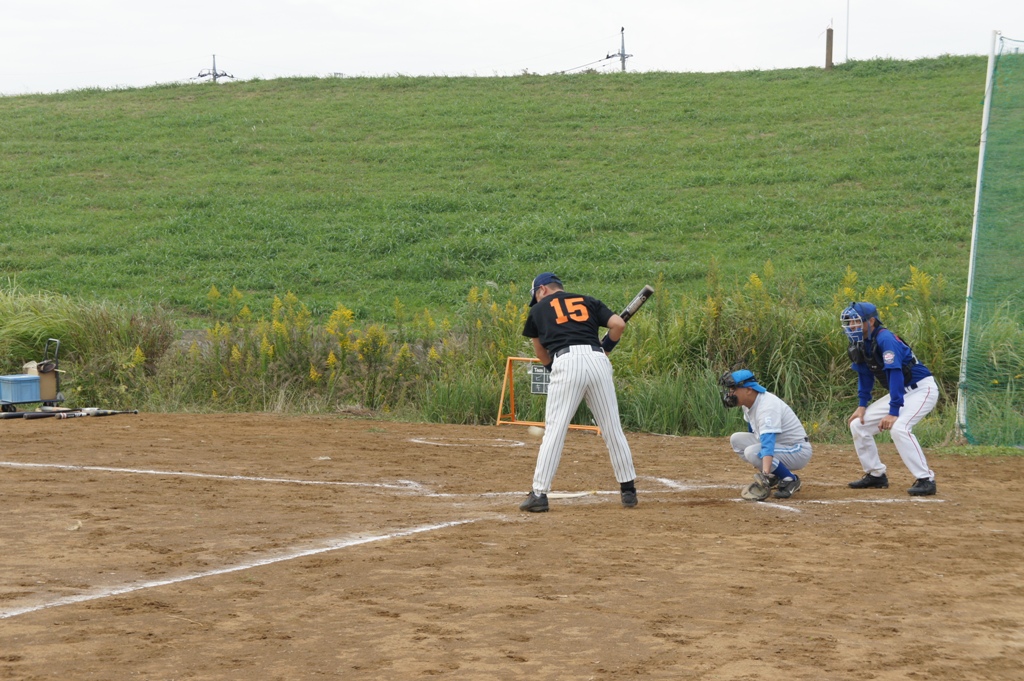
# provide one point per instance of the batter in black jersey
(565, 319)
(565, 332)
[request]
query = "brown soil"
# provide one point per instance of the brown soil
(195, 547)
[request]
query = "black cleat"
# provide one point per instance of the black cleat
(787, 488)
(871, 482)
(923, 487)
(535, 503)
(629, 498)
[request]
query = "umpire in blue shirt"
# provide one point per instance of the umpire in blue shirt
(878, 353)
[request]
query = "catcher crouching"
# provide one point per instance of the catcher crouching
(775, 443)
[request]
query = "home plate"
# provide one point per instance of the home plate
(569, 495)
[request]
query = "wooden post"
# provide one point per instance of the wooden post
(828, 50)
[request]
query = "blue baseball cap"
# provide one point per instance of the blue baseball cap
(542, 280)
(853, 318)
(744, 378)
(865, 310)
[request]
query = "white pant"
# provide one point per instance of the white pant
(916, 405)
(581, 374)
(748, 446)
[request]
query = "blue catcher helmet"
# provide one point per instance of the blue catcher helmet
(853, 318)
(730, 381)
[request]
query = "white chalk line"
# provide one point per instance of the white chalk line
(415, 487)
(771, 505)
(691, 487)
(128, 588)
(789, 506)
(912, 500)
(399, 484)
(470, 442)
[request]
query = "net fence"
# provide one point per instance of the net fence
(992, 385)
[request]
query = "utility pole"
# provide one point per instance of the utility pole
(828, 50)
(214, 73)
(847, 30)
(622, 52)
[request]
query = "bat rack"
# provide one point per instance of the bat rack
(539, 379)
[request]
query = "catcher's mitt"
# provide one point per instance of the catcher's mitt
(760, 488)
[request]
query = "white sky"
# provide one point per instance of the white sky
(54, 45)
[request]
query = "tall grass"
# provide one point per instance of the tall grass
(108, 354)
(666, 366)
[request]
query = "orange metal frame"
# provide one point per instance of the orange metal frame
(508, 385)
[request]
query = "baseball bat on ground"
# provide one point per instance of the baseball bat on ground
(634, 305)
(39, 414)
(74, 413)
(46, 411)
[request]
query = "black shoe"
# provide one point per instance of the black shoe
(629, 498)
(871, 482)
(535, 503)
(923, 487)
(787, 488)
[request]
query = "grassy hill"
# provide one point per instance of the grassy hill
(358, 191)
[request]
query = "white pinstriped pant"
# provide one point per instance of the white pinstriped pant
(581, 374)
(916, 405)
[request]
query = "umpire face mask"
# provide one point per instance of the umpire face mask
(854, 319)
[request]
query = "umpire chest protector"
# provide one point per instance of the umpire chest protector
(874, 361)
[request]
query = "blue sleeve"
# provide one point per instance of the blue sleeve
(767, 445)
(894, 354)
(896, 390)
(865, 384)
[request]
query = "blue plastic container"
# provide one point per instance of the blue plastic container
(19, 388)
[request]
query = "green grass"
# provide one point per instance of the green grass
(364, 190)
(416, 203)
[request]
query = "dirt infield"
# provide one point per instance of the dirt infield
(266, 547)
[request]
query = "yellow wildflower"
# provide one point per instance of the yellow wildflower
(266, 348)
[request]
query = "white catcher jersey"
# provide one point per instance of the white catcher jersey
(769, 414)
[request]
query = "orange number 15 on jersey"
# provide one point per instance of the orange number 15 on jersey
(574, 309)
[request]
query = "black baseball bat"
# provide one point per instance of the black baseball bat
(637, 302)
(12, 414)
(107, 412)
(634, 305)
